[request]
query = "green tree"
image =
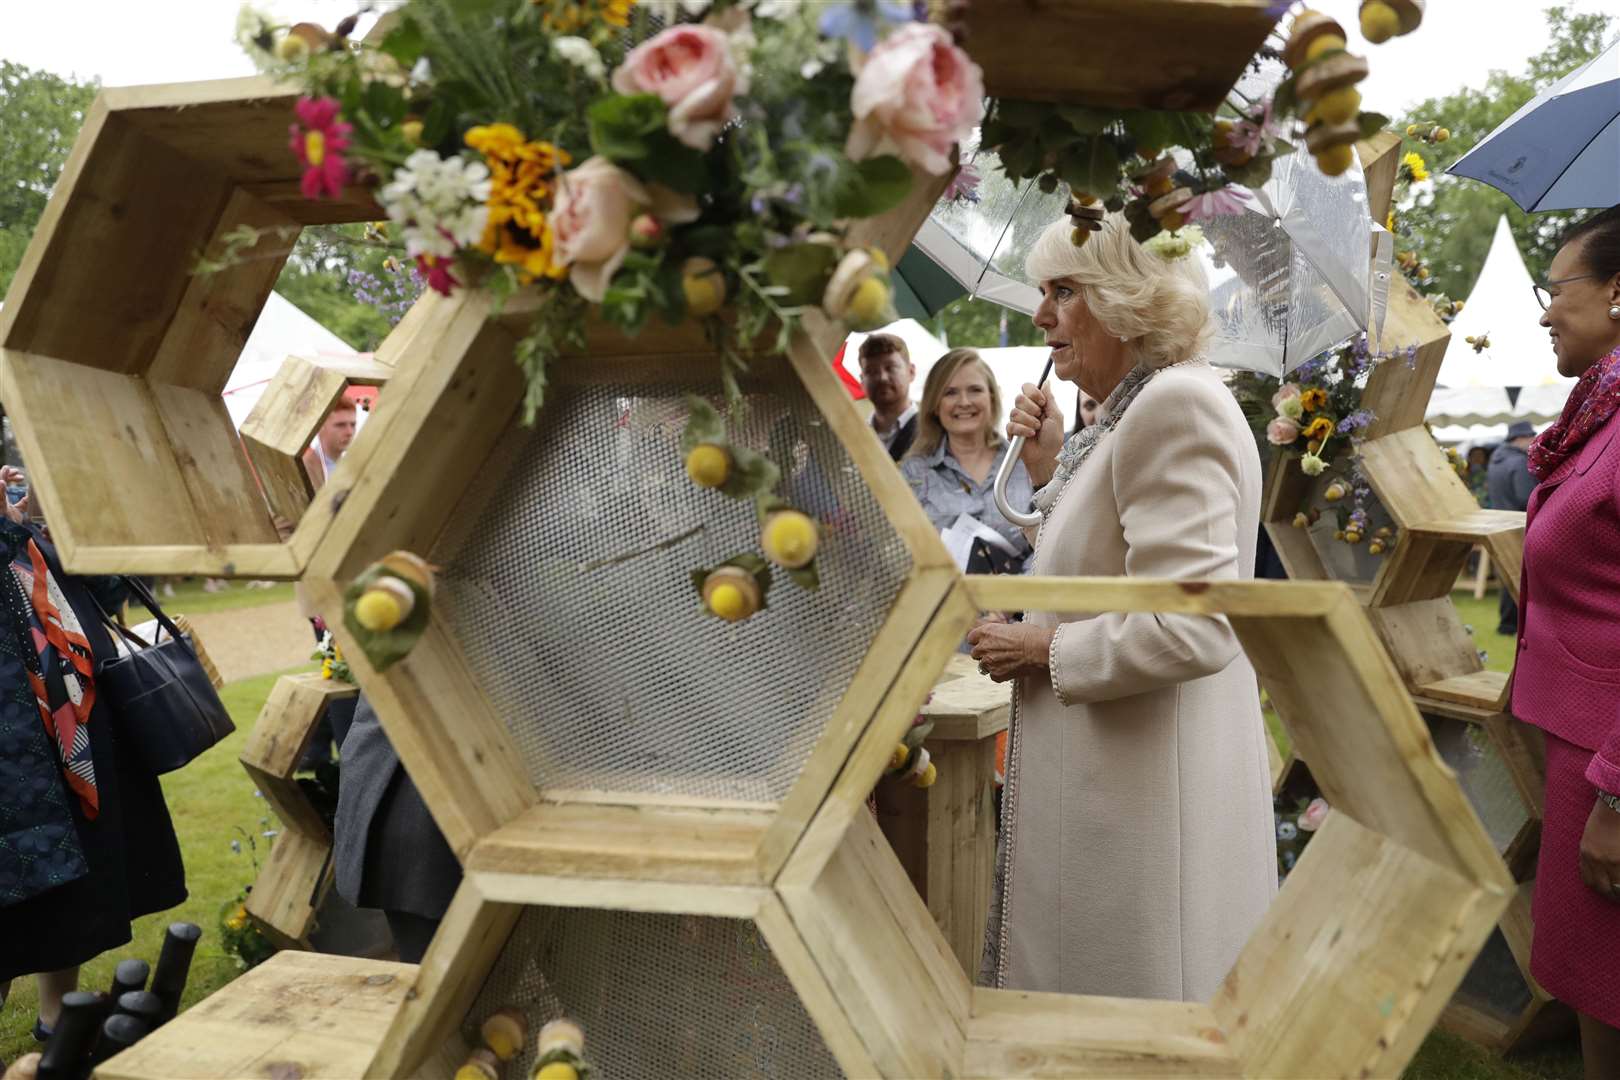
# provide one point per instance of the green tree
(40, 114)
(350, 279)
(1451, 228)
(977, 324)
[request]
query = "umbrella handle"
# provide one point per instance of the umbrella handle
(1003, 474)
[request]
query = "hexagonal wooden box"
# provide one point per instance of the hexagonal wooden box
(1363, 947)
(113, 351)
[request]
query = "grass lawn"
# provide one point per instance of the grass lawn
(212, 802)
(189, 598)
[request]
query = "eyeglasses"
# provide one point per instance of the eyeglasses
(1543, 297)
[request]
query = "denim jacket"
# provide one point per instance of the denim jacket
(946, 490)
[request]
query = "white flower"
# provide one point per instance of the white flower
(776, 9)
(671, 10)
(582, 54)
(1311, 465)
(438, 202)
(253, 29)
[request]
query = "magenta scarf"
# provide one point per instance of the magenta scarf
(1595, 398)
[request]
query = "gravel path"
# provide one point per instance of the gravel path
(256, 640)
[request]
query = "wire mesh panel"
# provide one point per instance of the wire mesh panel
(658, 996)
(1484, 777)
(568, 582)
(1494, 983)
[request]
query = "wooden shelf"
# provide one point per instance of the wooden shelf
(1136, 54)
(1473, 528)
(674, 844)
(1485, 691)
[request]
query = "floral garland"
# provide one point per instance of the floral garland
(1126, 159)
(645, 158)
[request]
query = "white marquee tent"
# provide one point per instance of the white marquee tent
(283, 330)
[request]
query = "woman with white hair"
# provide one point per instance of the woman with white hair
(1138, 852)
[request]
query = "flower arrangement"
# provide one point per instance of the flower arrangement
(638, 158)
(1310, 419)
(330, 654)
(239, 935)
(1297, 820)
(1166, 170)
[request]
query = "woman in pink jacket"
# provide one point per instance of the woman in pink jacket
(1566, 678)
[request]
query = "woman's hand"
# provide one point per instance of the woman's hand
(1008, 650)
(1036, 417)
(1600, 852)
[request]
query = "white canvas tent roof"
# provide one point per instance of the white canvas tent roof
(1502, 308)
(283, 330)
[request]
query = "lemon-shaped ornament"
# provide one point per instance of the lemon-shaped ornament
(732, 593)
(1379, 22)
(708, 465)
(1338, 106)
(505, 1031)
(384, 605)
(704, 286)
(789, 539)
(556, 1070)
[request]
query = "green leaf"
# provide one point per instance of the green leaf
(751, 474)
(384, 103)
(674, 164)
(1096, 170)
(622, 126)
(1152, 130)
(386, 648)
(870, 187)
(1372, 123)
(437, 123)
(404, 43)
(803, 270)
(703, 425)
(805, 577)
(1083, 120)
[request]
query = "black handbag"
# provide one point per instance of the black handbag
(165, 704)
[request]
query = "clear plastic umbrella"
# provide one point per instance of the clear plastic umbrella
(1301, 270)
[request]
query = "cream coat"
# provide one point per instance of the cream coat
(1142, 847)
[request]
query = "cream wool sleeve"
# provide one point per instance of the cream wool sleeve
(1177, 476)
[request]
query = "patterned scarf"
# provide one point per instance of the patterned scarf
(1595, 398)
(60, 675)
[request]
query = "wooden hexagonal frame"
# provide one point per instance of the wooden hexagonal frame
(284, 422)
(113, 353)
(1348, 972)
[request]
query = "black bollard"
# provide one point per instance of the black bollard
(118, 1034)
(129, 975)
(67, 1054)
(143, 1005)
(174, 964)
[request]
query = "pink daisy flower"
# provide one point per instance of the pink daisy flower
(318, 140)
(1222, 202)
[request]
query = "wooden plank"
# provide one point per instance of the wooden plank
(1485, 690)
(962, 845)
(1397, 392)
(470, 939)
(291, 712)
(1422, 567)
(213, 468)
(621, 894)
(1014, 1033)
(913, 611)
(289, 802)
(470, 775)
(1474, 526)
(284, 481)
(1426, 640)
(1380, 164)
(1081, 596)
(297, 1014)
(290, 887)
(1414, 479)
(968, 708)
(669, 844)
(880, 952)
(1131, 61)
(895, 714)
(1522, 748)
(818, 997)
(216, 313)
(1507, 555)
(1332, 984)
(294, 406)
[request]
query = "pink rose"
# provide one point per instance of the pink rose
(917, 95)
(1284, 392)
(1314, 815)
(1281, 431)
(591, 217)
(691, 70)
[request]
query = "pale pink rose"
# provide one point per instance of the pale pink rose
(1284, 392)
(1281, 431)
(917, 95)
(591, 218)
(1314, 815)
(691, 69)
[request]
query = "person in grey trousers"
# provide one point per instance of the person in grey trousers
(1508, 486)
(387, 850)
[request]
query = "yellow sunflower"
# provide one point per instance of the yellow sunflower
(1313, 399)
(1319, 429)
(1415, 166)
(521, 188)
